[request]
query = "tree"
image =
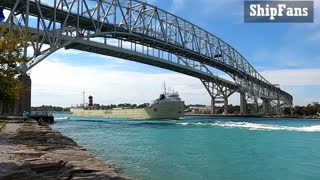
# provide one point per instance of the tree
(297, 110)
(286, 111)
(312, 109)
(12, 45)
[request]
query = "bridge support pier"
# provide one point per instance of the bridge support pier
(226, 106)
(266, 106)
(255, 108)
(219, 94)
(213, 106)
(23, 100)
(243, 104)
(278, 107)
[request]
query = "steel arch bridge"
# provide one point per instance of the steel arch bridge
(140, 32)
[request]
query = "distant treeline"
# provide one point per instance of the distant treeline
(49, 108)
(124, 105)
(196, 105)
(309, 110)
(232, 109)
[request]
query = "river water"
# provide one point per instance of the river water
(202, 147)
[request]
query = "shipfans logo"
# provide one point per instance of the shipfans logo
(279, 11)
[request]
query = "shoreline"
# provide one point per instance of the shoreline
(29, 151)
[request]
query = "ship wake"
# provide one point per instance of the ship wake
(255, 126)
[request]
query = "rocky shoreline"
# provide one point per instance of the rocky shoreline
(29, 151)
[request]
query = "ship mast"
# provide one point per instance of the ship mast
(164, 88)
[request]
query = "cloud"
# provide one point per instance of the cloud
(178, 4)
(58, 83)
(294, 77)
(63, 52)
(6, 14)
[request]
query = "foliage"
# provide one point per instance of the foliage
(49, 108)
(125, 105)
(12, 45)
(297, 110)
(310, 110)
(286, 111)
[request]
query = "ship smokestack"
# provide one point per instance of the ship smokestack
(90, 101)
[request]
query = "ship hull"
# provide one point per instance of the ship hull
(171, 110)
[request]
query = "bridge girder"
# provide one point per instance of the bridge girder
(64, 23)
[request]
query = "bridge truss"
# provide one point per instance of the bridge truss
(140, 32)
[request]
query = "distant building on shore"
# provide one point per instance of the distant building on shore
(199, 109)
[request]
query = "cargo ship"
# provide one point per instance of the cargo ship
(167, 106)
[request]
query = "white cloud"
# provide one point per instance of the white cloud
(178, 3)
(62, 84)
(294, 77)
(63, 52)
(6, 14)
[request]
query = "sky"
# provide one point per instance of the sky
(284, 53)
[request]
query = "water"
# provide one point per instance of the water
(202, 147)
